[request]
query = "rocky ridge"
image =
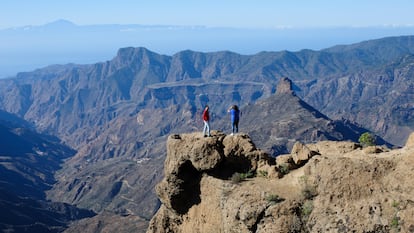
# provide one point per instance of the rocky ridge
(322, 187)
(277, 122)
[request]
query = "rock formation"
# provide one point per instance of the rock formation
(277, 122)
(329, 187)
(284, 86)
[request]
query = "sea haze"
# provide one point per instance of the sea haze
(61, 42)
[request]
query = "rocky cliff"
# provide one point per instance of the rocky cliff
(225, 184)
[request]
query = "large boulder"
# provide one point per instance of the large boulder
(301, 153)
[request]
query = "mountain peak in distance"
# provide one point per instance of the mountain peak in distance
(60, 23)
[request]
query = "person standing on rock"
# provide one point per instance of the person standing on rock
(206, 119)
(234, 117)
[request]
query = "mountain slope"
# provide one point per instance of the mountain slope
(28, 162)
(277, 122)
(339, 84)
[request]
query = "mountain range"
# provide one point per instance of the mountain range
(61, 42)
(117, 114)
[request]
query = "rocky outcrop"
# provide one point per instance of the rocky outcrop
(321, 187)
(301, 153)
(196, 166)
(284, 86)
(190, 156)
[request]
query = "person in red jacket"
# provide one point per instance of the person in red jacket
(206, 119)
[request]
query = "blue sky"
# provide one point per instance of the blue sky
(212, 13)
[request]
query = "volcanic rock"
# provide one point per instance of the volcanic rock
(342, 189)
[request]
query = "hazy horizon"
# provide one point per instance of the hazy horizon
(213, 13)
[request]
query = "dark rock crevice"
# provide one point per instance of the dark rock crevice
(189, 186)
(229, 166)
(258, 220)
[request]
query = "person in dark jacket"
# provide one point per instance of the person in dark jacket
(234, 117)
(206, 120)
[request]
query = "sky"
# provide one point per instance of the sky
(211, 13)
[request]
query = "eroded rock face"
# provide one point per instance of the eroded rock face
(189, 156)
(336, 188)
(285, 86)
